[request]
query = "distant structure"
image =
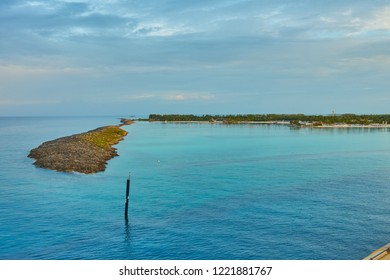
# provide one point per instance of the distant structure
(127, 197)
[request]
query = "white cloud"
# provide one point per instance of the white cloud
(159, 29)
(379, 62)
(379, 21)
(38, 4)
(328, 20)
(174, 96)
(23, 70)
(24, 102)
(39, 7)
(140, 96)
(347, 12)
(349, 23)
(78, 31)
(188, 96)
(177, 97)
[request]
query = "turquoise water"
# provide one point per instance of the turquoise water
(198, 191)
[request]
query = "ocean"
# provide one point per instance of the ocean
(198, 192)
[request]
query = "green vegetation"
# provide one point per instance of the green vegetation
(293, 118)
(184, 118)
(103, 137)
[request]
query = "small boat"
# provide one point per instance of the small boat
(380, 254)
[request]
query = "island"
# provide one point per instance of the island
(86, 152)
(292, 120)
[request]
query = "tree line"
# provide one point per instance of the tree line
(294, 118)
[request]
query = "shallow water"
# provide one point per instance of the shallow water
(198, 191)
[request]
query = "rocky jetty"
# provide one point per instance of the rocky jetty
(85, 152)
(126, 122)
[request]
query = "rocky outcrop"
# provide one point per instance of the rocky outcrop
(126, 122)
(85, 152)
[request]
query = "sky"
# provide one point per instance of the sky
(136, 57)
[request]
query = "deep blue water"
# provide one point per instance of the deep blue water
(198, 191)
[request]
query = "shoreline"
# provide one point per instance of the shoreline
(286, 123)
(86, 152)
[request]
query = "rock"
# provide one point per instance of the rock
(85, 152)
(126, 122)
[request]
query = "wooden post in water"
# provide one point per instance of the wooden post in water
(127, 197)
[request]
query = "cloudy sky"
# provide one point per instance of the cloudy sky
(125, 57)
